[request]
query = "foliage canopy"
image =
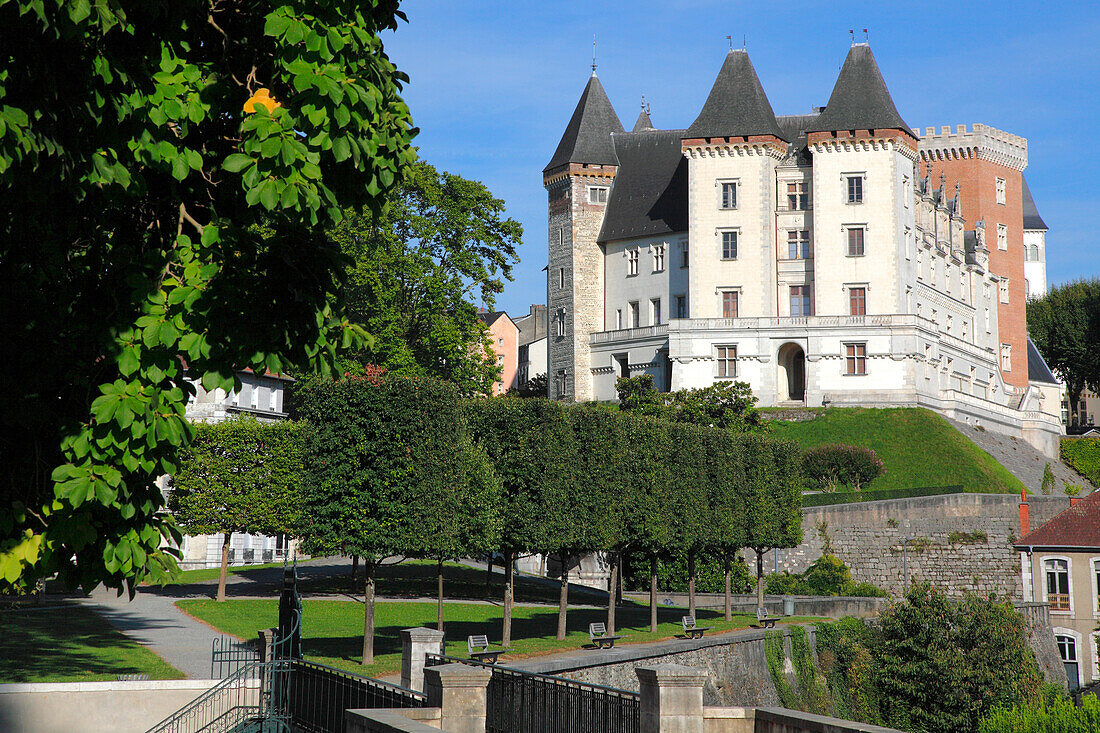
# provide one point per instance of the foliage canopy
(1065, 325)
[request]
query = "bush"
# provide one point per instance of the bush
(827, 576)
(833, 465)
(1057, 716)
(1083, 455)
(1048, 480)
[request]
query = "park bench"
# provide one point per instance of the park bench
(597, 632)
(768, 622)
(691, 630)
(478, 646)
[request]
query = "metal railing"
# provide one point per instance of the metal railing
(232, 702)
(1058, 601)
(317, 696)
(227, 655)
(526, 702)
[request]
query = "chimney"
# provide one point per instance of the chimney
(1073, 500)
(1025, 514)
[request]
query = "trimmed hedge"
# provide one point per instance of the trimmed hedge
(1083, 455)
(855, 497)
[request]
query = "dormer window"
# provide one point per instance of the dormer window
(597, 194)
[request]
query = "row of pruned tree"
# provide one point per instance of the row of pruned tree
(398, 467)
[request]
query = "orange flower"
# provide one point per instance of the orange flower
(262, 97)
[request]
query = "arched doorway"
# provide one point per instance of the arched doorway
(792, 373)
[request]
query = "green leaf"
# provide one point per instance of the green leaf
(268, 194)
(128, 361)
(180, 168)
(79, 10)
(237, 162)
(341, 149)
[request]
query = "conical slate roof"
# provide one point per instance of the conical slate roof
(860, 99)
(587, 138)
(1032, 220)
(643, 123)
(737, 105)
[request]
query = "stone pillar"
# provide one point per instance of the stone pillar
(672, 698)
(415, 643)
(459, 691)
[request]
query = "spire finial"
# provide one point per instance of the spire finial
(730, 39)
(645, 107)
(593, 54)
(866, 36)
(852, 33)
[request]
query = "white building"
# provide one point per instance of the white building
(532, 344)
(1035, 248)
(806, 255)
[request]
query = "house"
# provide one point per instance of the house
(532, 344)
(505, 344)
(1060, 564)
(835, 257)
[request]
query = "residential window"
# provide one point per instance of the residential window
(729, 194)
(618, 319)
(800, 300)
(1000, 190)
(727, 361)
(254, 397)
(273, 399)
(855, 189)
(500, 359)
(1002, 237)
(798, 244)
(729, 304)
(631, 262)
(681, 306)
(729, 245)
(857, 301)
(855, 359)
(1057, 583)
(655, 311)
(797, 197)
(659, 258)
(1003, 289)
(1006, 357)
(684, 254)
(1096, 586)
(597, 194)
(634, 314)
(559, 383)
(855, 242)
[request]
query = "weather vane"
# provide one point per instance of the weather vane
(593, 54)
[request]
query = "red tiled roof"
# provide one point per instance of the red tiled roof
(1078, 526)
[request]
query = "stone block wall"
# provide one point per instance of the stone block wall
(869, 538)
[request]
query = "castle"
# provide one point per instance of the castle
(831, 258)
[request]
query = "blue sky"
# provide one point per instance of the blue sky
(493, 85)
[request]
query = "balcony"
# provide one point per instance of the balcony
(1058, 601)
(630, 334)
(703, 324)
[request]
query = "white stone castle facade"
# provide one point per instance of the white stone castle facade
(808, 255)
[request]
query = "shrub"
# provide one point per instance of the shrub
(827, 576)
(864, 590)
(1048, 480)
(833, 465)
(1083, 455)
(1056, 716)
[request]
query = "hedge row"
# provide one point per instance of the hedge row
(854, 497)
(1083, 455)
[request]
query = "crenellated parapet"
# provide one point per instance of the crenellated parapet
(981, 142)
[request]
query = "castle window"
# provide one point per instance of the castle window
(655, 311)
(659, 258)
(1003, 289)
(797, 198)
(618, 319)
(800, 300)
(561, 277)
(857, 301)
(729, 304)
(1033, 253)
(559, 384)
(681, 306)
(597, 194)
(1002, 237)
(726, 358)
(1001, 191)
(856, 241)
(1006, 357)
(855, 359)
(632, 262)
(798, 244)
(729, 194)
(855, 188)
(684, 254)
(729, 245)
(635, 314)
(561, 322)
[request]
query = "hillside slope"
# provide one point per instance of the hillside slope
(919, 447)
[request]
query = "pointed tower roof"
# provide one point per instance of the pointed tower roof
(587, 138)
(643, 123)
(860, 99)
(1032, 220)
(737, 105)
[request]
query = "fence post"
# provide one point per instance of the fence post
(459, 691)
(415, 644)
(671, 698)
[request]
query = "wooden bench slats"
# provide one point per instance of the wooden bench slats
(597, 633)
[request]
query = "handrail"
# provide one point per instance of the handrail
(565, 682)
(361, 678)
(237, 680)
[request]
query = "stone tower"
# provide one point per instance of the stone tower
(578, 182)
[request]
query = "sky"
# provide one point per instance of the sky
(493, 84)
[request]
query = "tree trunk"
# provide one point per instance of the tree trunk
(354, 566)
(759, 579)
(563, 599)
(506, 634)
(439, 592)
(691, 583)
(729, 603)
(489, 572)
(225, 567)
(612, 587)
(653, 594)
(368, 612)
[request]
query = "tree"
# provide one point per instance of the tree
(536, 386)
(165, 173)
(728, 405)
(240, 475)
(382, 453)
(1065, 326)
(417, 264)
(772, 514)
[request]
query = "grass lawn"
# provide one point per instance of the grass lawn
(332, 631)
(919, 447)
(71, 644)
(205, 575)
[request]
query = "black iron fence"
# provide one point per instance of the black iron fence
(317, 696)
(227, 655)
(525, 702)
